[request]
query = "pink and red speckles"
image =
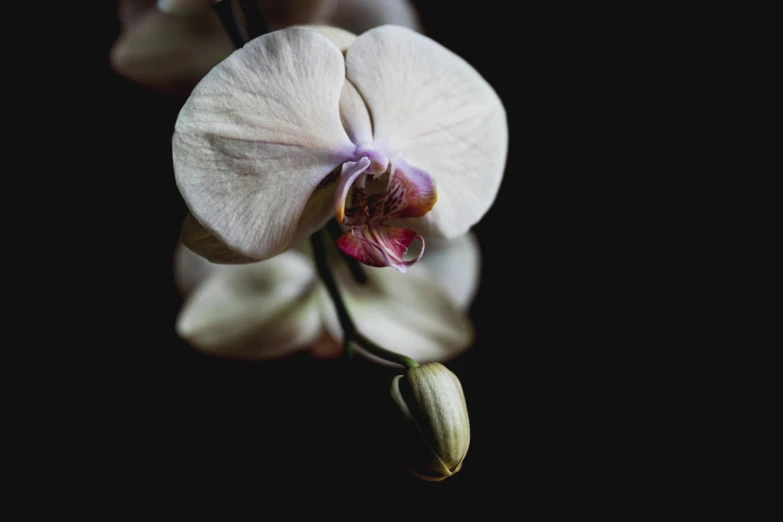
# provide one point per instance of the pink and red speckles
(412, 192)
(409, 193)
(380, 246)
(406, 192)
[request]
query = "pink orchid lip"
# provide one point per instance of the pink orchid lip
(380, 246)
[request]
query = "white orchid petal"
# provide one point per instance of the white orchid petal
(258, 135)
(355, 116)
(423, 324)
(455, 265)
(190, 269)
(433, 108)
(318, 211)
(207, 245)
(409, 315)
(259, 311)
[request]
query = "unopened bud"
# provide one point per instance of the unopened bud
(435, 432)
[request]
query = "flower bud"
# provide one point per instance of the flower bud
(435, 432)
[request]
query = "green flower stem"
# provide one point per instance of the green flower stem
(230, 23)
(349, 329)
(383, 353)
(242, 20)
(256, 25)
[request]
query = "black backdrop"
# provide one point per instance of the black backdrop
(554, 425)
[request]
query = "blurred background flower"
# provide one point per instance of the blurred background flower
(170, 45)
(276, 307)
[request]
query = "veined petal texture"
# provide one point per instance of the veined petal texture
(433, 108)
(256, 137)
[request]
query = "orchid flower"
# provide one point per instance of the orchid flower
(353, 15)
(168, 51)
(277, 307)
(389, 132)
(169, 45)
(184, 6)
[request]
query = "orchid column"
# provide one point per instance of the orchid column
(389, 133)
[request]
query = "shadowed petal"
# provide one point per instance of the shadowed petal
(360, 15)
(184, 6)
(433, 108)
(339, 37)
(204, 243)
(408, 313)
(170, 52)
(130, 11)
(258, 311)
(420, 314)
(258, 135)
(190, 269)
(455, 265)
(319, 208)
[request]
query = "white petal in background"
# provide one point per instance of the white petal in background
(339, 37)
(204, 243)
(410, 317)
(171, 47)
(170, 52)
(131, 11)
(272, 308)
(431, 106)
(415, 314)
(184, 6)
(359, 15)
(455, 265)
(190, 269)
(258, 311)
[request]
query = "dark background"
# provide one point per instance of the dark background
(559, 417)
